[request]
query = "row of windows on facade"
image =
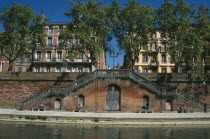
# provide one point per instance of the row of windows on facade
(69, 68)
(70, 43)
(50, 31)
(154, 59)
(59, 55)
(60, 41)
(163, 70)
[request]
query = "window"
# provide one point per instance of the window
(80, 68)
(169, 105)
(80, 56)
(163, 58)
(57, 104)
(69, 68)
(163, 70)
(60, 27)
(145, 102)
(81, 100)
(136, 59)
(60, 41)
(154, 35)
(48, 56)
(154, 59)
(70, 42)
(37, 69)
(59, 55)
(19, 69)
(145, 58)
(145, 70)
(154, 46)
(58, 69)
(38, 44)
(49, 44)
(47, 69)
(38, 55)
(163, 35)
(50, 31)
(163, 46)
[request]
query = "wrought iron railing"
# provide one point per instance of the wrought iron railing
(184, 96)
(126, 74)
(40, 96)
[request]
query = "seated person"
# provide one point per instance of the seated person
(40, 106)
(78, 107)
(147, 107)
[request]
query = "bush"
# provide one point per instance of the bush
(96, 120)
(31, 117)
(42, 118)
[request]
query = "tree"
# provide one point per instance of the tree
(133, 28)
(37, 33)
(202, 24)
(89, 26)
(175, 22)
(22, 31)
(15, 39)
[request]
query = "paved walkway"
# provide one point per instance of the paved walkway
(107, 115)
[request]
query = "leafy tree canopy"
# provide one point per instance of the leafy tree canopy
(90, 26)
(20, 26)
(133, 28)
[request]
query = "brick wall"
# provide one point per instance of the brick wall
(131, 98)
(12, 92)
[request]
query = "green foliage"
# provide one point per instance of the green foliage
(37, 33)
(90, 26)
(21, 28)
(133, 27)
(31, 117)
(36, 117)
(96, 120)
(177, 22)
(42, 118)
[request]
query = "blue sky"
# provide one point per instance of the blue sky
(54, 9)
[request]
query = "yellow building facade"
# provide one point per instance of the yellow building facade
(156, 59)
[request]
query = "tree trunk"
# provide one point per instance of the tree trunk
(10, 66)
(132, 64)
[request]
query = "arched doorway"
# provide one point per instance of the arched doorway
(113, 98)
(145, 102)
(169, 105)
(81, 100)
(57, 104)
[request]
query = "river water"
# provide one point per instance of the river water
(10, 130)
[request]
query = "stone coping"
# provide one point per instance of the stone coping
(105, 118)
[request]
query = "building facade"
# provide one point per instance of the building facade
(157, 60)
(55, 57)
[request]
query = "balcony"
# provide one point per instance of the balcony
(79, 60)
(49, 45)
(154, 63)
(60, 60)
(69, 45)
